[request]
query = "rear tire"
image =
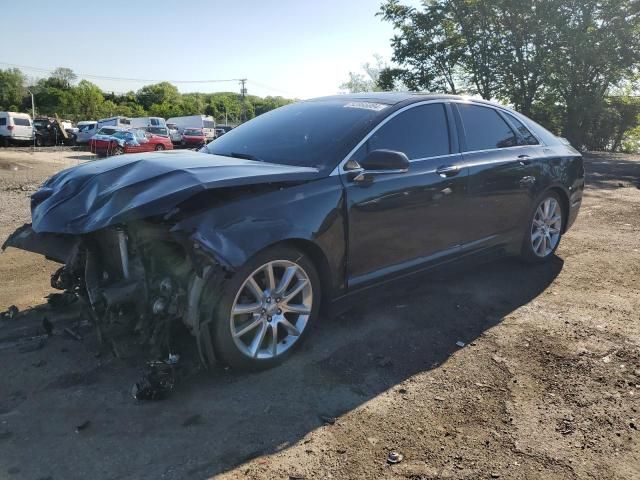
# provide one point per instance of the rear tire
(5, 142)
(274, 317)
(544, 229)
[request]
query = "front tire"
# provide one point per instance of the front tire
(159, 147)
(265, 310)
(544, 229)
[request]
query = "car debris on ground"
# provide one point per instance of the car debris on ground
(10, 313)
(158, 379)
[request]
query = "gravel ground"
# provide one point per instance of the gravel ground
(547, 384)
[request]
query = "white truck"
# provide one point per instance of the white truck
(144, 122)
(204, 122)
(15, 127)
(120, 122)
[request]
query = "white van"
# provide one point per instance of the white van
(86, 130)
(120, 122)
(15, 127)
(204, 122)
(144, 122)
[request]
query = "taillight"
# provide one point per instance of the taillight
(10, 127)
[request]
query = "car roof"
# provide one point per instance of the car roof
(393, 98)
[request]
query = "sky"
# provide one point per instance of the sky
(297, 49)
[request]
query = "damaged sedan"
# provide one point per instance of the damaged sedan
(307, 205)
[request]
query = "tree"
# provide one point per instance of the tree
(520, 52)
(12, 89)
(63, 77)
(367, 81)
(157, 93)
(89, 98)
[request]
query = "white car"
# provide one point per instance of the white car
(15, 127)
(205, 123)
(174, 133)
(86, 130)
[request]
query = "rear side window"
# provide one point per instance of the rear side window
(485, 129)
(419, 132)
(22, 122)
(208, 124)
(125, 121)
(3, 121)
(527, 138)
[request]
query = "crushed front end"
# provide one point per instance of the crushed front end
(132, 277)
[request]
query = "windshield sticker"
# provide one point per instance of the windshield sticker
(367, 106)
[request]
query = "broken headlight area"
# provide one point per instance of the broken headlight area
(130, 278)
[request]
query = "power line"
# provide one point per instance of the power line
(124, 79)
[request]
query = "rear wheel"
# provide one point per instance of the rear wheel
(5, 142)
(544, 229)
(266, 309)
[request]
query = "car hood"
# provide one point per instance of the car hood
(101, 193)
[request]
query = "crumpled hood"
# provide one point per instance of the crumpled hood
(106, 192)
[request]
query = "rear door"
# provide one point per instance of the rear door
(400, 221)
(501, 173)
(22, 128)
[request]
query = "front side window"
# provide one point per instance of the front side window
(485, 129)
(419, 132)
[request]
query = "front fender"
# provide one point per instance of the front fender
(233, 232)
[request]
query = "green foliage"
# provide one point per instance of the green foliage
(555, 60)
(57, 94)
(12, 89)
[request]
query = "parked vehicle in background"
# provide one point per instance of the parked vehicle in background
(50, 132)
(120, 122)
(144, 122)
(204, 122)
(162, 131)
(134, 140)
(15, 127)
(174, 133)
(193, 137)
(222, 129)
(86, 130)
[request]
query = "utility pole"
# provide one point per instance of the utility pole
(243, 92)
(33, 117)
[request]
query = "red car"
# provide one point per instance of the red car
(193, 137)
(128, 141)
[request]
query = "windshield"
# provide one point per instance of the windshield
(106, 131)
(40, 124)
(123, 135)
(313, 134)
(193, 131)
(85, 128)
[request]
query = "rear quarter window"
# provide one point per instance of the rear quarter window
(526, 137)
(22, 122)
(3, 121)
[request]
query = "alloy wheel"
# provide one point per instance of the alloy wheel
(546, 227)
(271, 309)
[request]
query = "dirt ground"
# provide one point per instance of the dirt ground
(546, 386)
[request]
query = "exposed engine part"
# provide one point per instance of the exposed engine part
(124, 253)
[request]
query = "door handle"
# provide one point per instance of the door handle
(524, 159)
(448, 171)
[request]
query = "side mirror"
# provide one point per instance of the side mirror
(385, 161)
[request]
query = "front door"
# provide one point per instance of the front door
(399, 221)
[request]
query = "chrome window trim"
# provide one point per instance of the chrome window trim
(340, 167)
